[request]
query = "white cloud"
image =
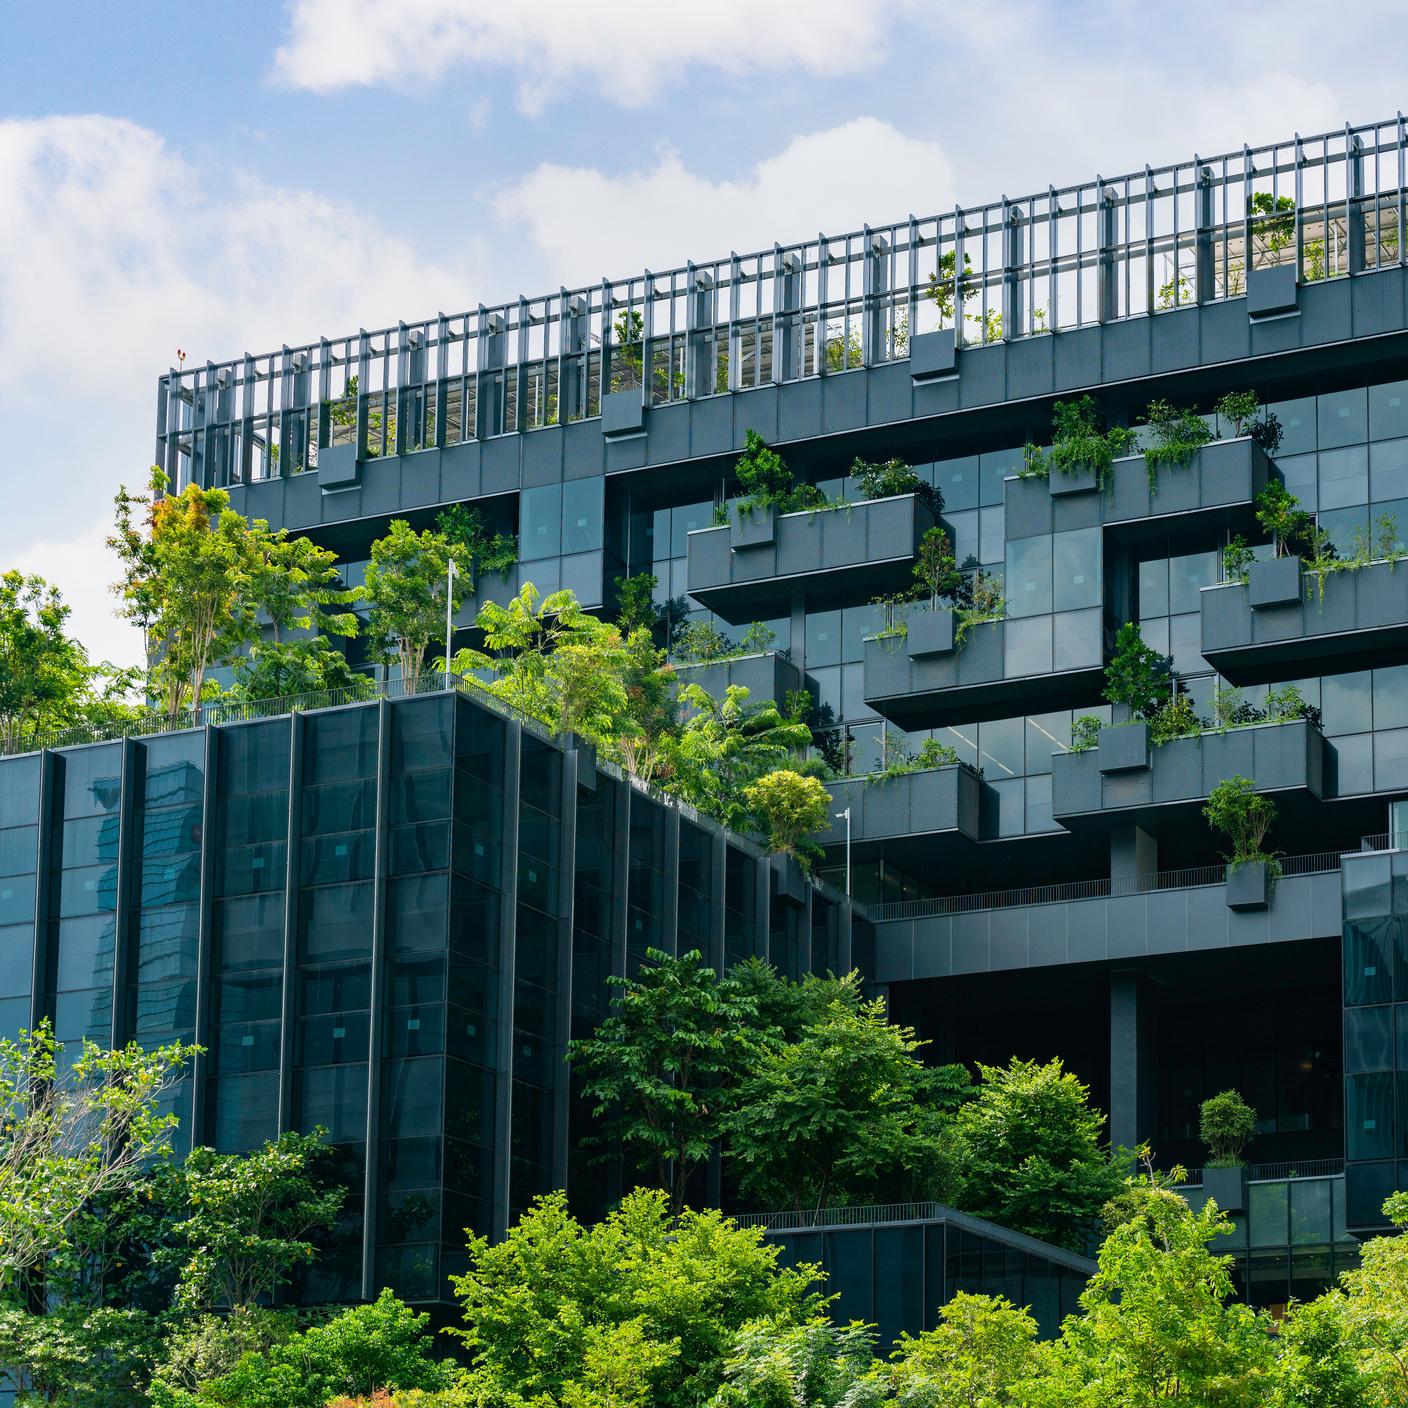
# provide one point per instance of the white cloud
(626, 51)
(587, 223)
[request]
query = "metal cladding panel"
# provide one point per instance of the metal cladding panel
(1338, 611)
(843, 401)
(1177, 770)
(1326, 312)
(1126, 789)
(1177, 489)
(799, 409)
(1031, 367)
(1075, 783)
(460, 476)
(1376, 303)
(1381, 595)
(889, 671)
(969, 789)
(934, 800)
(982, 380)
(1279, 756)
(709, 558)
(1077, 358)
(1226, 618)
(979, 657)
(711, 426)
(1127, 348)
(891, 527)
(844, 537)
(1028, 508)
(799, 543)
(499, 464)
(1174, 339)
(755, 409)
(1223, 755)
(1128, 495)
(753, 564)
(887, 807)
(1224, 335)
(1270, 624)
(891, 393)
(1074, 511)
(1167, 917)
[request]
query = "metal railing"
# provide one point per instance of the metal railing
(1281, 1172)
(793, 1220)
(1141, 244)
(1102, 888)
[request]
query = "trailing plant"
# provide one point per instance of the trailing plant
(1226, 1123)
(1078, 443)
(891, 478)
(767, 482)
(1176, 434)
(1137, 676)
(1085, 733)
(1237, 558)
(1244, 816)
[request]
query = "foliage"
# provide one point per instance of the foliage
(43, 670)
(1176, 434)
(658, 1068)
(1079, 444)
(1248, 417)
(407, 582)
(203, 1349)
(1244, 815)
(1085, 733)
(936, 573)
(1226, 1124)
(1028, 1144)
(251, 1218)
(813, 1365)
(897, 761)
(767, 482)
(187, 562)
(978, 1355)
(297, 585)
(1137, 676)
(475, 547)
(985, 603)
(1237, 557)
(846, 1110)
(649, 719)
(73, 1130)
(641, 1309)
(940, 290)
(1292, 529)
(1174, 718)
(636, 608)
(891, 478)
(279, 671)
(1273, 224)
(788, 808)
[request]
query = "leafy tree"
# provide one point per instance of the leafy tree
(702, 641)
(298, 585)
(276, 671)
(1137, 676)
(789, 808)
(475, 546)
(1226, 1123)
(814, 1365)
(1156, 1325)
(1029, 1147)
(936, 573)
(847, 1109)
(43, 670)
(649, 719)
(1318, 1360)
(250, 1219)
(407, 585)
(979, 1354)
(642, 1308)
(784, 1009)
(889, 478)
(767, 482)
(72, 1131)
(187, 565)
(636, 608)
(1235, 807)
(661, 1065)
(80, 1356)
(203, 1349)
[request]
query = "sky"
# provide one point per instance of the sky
(227, 179)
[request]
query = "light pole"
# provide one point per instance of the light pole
(449, 615)
(847, 815)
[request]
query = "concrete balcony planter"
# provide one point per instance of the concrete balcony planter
(933, 356)
(1274, 583)
(859, 549)
(1363, 612)
(930, 633)
(338, 466)
(1272, 293)
(769, 678)
(752, 527)
(1248, 885)
(1123, 747)
(789, 880)
(1287, 759)
(936, 802)
(1080, 481)
(1227, 1187)
(623, 414)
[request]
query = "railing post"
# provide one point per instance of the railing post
(786, 321)
(1204, 270)
(489, 410)
(699, 327)
(442, 371)
(1013, 257)
(1353, 200)
(571, 346)
(874, 343)
(364, 369)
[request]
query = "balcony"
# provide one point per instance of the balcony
(748, 570)
(936, 802)
(1117, 784)
(1216, 489)
(990, 674)
(1363, 611)
(769, 677)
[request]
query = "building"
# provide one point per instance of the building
(1030, 898)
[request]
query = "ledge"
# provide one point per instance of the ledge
(861, 549)
(935, 802)
(1364, 611)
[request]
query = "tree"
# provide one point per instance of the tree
(1029, 1147)
(43, 670)
(815, 1365)
(407, 585)
(475, 546)
(1235, 808)
(187, 565)
(70, 1133)
(1137, 675)
(789, 808)
(635, 602)
(250, 1219)
(1156, 1325)
(767, 482)
(553, 1306)
(298, 585)
(1227, 1122)
(847, 1109)
(936, 573)
(650, 719)
(278, 671)
(979, 1354)
(660, 1066)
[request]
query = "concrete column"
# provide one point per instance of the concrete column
(1133, 1085)
(1133, 851)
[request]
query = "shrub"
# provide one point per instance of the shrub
(1237, 558)
(1226, 1124)
(1235, 808)
(767, 482)
(1078, 443)
(1085, 733)
(789, 807)
(1137, 676)
(1176, 434)
(893, 477)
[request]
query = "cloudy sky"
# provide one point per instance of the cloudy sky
(230, 178)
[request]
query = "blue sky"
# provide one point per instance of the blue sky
(230, 178)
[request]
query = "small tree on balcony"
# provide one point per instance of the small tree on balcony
(1226, 1123)
(1235, 808)
(1137, 676)
(788, 807)
(407, 584)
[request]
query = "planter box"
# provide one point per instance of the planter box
(1272, 293)
(1082, 481)
(768, 678)
(1227, 1187)
(939, 801)
(1248, 885)
(933, 356)
(752, 528)
(1123, 747)
(623, 414)
(790, 884)
(338, 467)
(930, 633)
(1274, 583)
(863, 549)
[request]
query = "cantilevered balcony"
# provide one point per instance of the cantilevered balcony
(935, 802)
(768, 677)
(1125, 779)
(1254, 637)
(748, 569)
(926, 678)
(1217, 489)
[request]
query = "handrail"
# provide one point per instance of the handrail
(1105, 887)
